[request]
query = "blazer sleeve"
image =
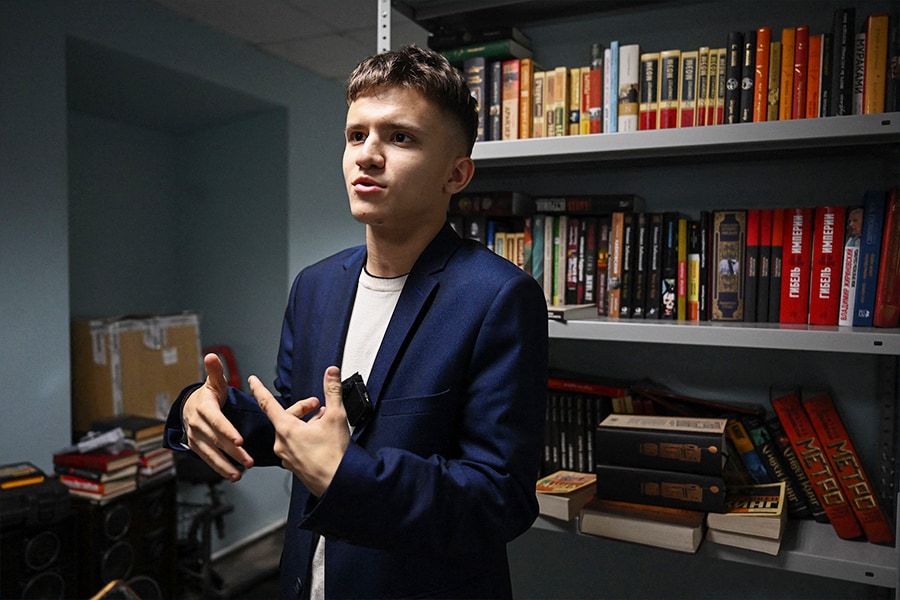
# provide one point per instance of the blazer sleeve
(480, 495)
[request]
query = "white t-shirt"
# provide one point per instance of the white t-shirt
(376, 298)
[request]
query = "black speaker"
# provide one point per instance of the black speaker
(131, 538)
(37, 543)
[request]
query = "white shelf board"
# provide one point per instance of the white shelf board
(856, 340)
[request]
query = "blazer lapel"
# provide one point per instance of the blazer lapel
(422, 284)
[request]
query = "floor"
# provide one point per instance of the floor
(250, 573)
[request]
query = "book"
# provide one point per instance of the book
(892, 82)
(587, 260)
(595, 95)
(859, 71)
(446, 39)
(761, 74)
(495, 100)
(602, 284)
(774, 83)
(669, 89)
(98, 460)
(611, 88)
(572, 271)
(641, 265)
(747, 542)
(825, 267)
(814, 76)
(712, 90)
(850, 265)
(526, 91)
(649, 99)
(628, 86)
(669, 280)
(765, 265)
(681, 278)
(558, 109)
(20, 474)
(719, 111)
(674, 529)
(703, 73)
(570, 312)
(751, 264)
(584, 108)
(801, 72)
(733, 64)
(776, 265)
(773, 459)
(99, 489)
(674, 489)
(509, 99)
(475, 70)
(743, 444)
(654, 266)
(704, 298)
(825, 99)
(626, 284)
(135, 427)
(538, 92)
(728, 244)
(493, 49)
(688, 85)
(692, 445)
(616, 256)
(848, 468)
(843, 29)
(869, 257)
(792, 463)
(809, 449)
(887, 290)
(129, 471)
(748, 77)
(797, 254)
(594, 204)
(876, 57)
(573, 103)
(786, 85)
(563, 494)
(759, 510)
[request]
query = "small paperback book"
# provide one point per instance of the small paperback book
(754, 518)
(562, 494)
(671, 528)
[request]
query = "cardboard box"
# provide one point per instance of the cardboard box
(135, 365)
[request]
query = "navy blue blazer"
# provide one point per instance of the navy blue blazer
(441, 478)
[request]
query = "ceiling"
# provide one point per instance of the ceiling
(327, 37)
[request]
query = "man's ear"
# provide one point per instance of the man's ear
(460, 175)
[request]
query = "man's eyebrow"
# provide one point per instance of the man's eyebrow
(394, 124)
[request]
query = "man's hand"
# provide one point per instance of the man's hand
(310, 450)
(209, 432)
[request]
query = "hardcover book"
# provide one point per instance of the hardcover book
(748, 77)
(765, 265)
(728, 245)
(476, 72)
(843, 29)
(629, 87)
(845, 462)
(869, 258)
(674, 529)
(654, 266)
(795, 469)
(774, 91)
(98, 460)
(743, 444)
(688, 85)
(602, 287)
(812, 454)
(595, 97)
(509, 99)
(693, 270)
(669, 280)
(538, 127)
(776, 265)
(526, 100)
(611, 88)
(850, 265)
(786, 87)
(814, 76)
(759, 510)
(761, 74)
(755, 543)
(801, 72)
(595, 204)
(797, 254)
(641, 265)
(495, 106)
(649, 101)
(692, 445)
(626, 288)
(887, 290)
(616, 256)
(135, 427)
(669, 79)
(773, 459)
(703, 74)
(19, 475)
(674, 489)
(751, 264)
(682, 277)
(496, 49)
(825, 277)
(733, 64)
(875, 72)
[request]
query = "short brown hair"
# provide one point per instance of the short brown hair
(425, 71)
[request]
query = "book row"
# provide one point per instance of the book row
(829, 265)
(685, 453)
(755, 76)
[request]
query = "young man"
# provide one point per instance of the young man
(421, 497)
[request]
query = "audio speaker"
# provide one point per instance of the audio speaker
(37, 533)
(132, 538)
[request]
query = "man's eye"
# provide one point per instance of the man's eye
(356, 136)
(401, 138)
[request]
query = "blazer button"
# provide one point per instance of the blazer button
(298, 587)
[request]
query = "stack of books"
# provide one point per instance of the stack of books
(755, 517)
(654, 471)
(98, 475)
(146, 434)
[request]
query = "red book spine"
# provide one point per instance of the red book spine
(587, 387)
(77, 483)
(795, 265)
(846, 465)
(887, 290)
(815, 463)
(825, 277)
(761, 75)
(801, 68)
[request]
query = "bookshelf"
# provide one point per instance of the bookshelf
(806, 162)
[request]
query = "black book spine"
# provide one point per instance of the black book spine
(843, 33)
(661, 488)
(734, 52)
(628, 265)
(641, 266)
(704, 264)
(748, 75)
(654, 266)
(683, 451)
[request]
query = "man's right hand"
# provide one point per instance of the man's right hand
(209, 432)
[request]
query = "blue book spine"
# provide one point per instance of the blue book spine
(869, 256)
(537, 252)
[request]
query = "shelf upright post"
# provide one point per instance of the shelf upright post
(384, 26)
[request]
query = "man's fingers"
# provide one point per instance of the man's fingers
(215, 374)
(266, 400)
(331, 383)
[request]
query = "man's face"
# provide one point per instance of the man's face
(399, 156)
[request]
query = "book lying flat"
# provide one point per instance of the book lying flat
(562, 494)
(757, 510)
(747, 542)
(671, 528)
